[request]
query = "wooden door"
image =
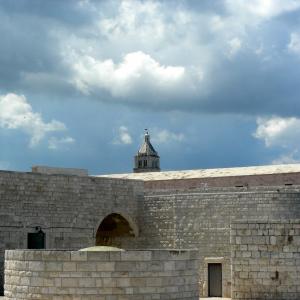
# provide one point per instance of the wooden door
(214, 280)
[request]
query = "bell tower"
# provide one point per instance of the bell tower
(147, 159)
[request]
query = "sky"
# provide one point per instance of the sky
(216, 83)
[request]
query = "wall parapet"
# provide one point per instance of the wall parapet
(130, 274)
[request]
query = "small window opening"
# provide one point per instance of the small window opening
(36, 240)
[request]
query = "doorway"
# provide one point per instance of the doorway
(214, 280)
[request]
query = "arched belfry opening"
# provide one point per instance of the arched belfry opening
(115, 230)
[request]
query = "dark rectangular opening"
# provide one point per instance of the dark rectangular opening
(36, 240)
(214, 280)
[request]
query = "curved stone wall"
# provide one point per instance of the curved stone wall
(69, 209)
(132, 274)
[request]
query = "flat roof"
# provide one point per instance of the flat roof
(209, 173)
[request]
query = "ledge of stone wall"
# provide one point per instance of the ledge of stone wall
(131, 274)
(59, 171)
(265, 259)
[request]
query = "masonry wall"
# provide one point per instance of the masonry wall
(201, 219)
(266, 260)
(69, 209)
(118, 275)
(279, 179)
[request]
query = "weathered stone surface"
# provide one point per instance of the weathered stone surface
(200, 218)
(189, 212)
(59, 171)
(41, 278)
(69, 209)
(266, 263)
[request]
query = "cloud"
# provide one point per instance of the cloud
(278, 131)
(135, 19)
(170, 56)
(17, 113)
(281, 134)
(290, 158)
(262, 8)
(164, 136)
(55, 143)
(137, 75)
(234, 46)
(163, 55)
(294, 44)
(123, 136)
(4, 165)
(42, 45)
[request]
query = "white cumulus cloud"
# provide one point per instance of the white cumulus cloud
(294, 44)
(234, 46)
(281, 133)
(4, 165)
(123, 136)
(17, 113)
(164, 136)
(136, 74)
(290, 158)
(55, 143)
(278, 131)
(138, 19)
(262, 8)
(170, 55)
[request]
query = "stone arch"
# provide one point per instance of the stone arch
(114, 229)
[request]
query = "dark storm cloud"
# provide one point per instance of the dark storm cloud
(25, 47)
(230, 64)
(196, 73)
(68, 12)
(29, 44)
(252, 87)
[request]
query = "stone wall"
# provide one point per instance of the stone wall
(69, 209)
(59, 171)
(266, 260)
(280, 179)
(118, 275)
(201, 219)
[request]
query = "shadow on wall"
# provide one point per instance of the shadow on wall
(112, 229)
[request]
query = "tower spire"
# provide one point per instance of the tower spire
(147, 159)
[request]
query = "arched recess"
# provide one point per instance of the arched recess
(115, 229)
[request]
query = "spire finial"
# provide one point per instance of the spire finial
(147, 136)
